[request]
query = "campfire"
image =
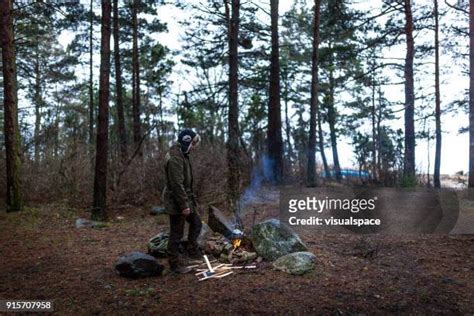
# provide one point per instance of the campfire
(236, 238)
(228, 245)
(236, 243)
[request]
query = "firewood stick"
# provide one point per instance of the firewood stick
(245, 267)
(208, 264)
(218, 266)
(216, 276)
(222, 275)
(201, 272)
(216, 271)
(200, 264)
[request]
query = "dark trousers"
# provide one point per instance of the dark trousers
(177, 232)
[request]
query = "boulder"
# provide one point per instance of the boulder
(296, 263)
(272, 239)
(87, 223)
(137, 264)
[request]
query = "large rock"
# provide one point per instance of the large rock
(296, 263)
(272, 239)
(137, 264)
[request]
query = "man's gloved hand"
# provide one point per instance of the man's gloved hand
(186, 211)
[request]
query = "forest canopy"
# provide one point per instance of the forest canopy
(94, 93)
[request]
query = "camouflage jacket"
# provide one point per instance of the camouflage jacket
(178, 192)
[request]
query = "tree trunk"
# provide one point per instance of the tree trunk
(10, 99)
(379, 139)
(428, 169)
(122, 133)
(327, 172)
(37, 103)
(56, 126)
(288, 130)
(91, 79)
(160, 128)
(233, 150)
(332, 127)
(311, 170)
(374, 133)
(437, 166)
(409, 158)
(471, 94)
(135, 77)
(274, 137)
(100, 180)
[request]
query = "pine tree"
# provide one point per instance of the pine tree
(409, 164)
(122, 132)
(12, 135)
(233, 150)
(274, 136)
(311, 177)
(136, 76)
(437, 182)
(471, 94)
(100, 180)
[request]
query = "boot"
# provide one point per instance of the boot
(195, 254)
(179, 268)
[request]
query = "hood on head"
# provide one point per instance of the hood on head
(188, 138)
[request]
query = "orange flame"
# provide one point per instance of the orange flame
(236, 243)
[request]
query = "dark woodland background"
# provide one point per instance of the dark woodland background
(74, 138)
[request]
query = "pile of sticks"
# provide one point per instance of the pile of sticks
(218, 271)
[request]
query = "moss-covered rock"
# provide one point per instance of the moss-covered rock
(272, 239)
(296, 263)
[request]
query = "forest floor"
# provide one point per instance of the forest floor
(44, 257)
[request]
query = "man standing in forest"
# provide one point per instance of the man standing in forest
(179, 200)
